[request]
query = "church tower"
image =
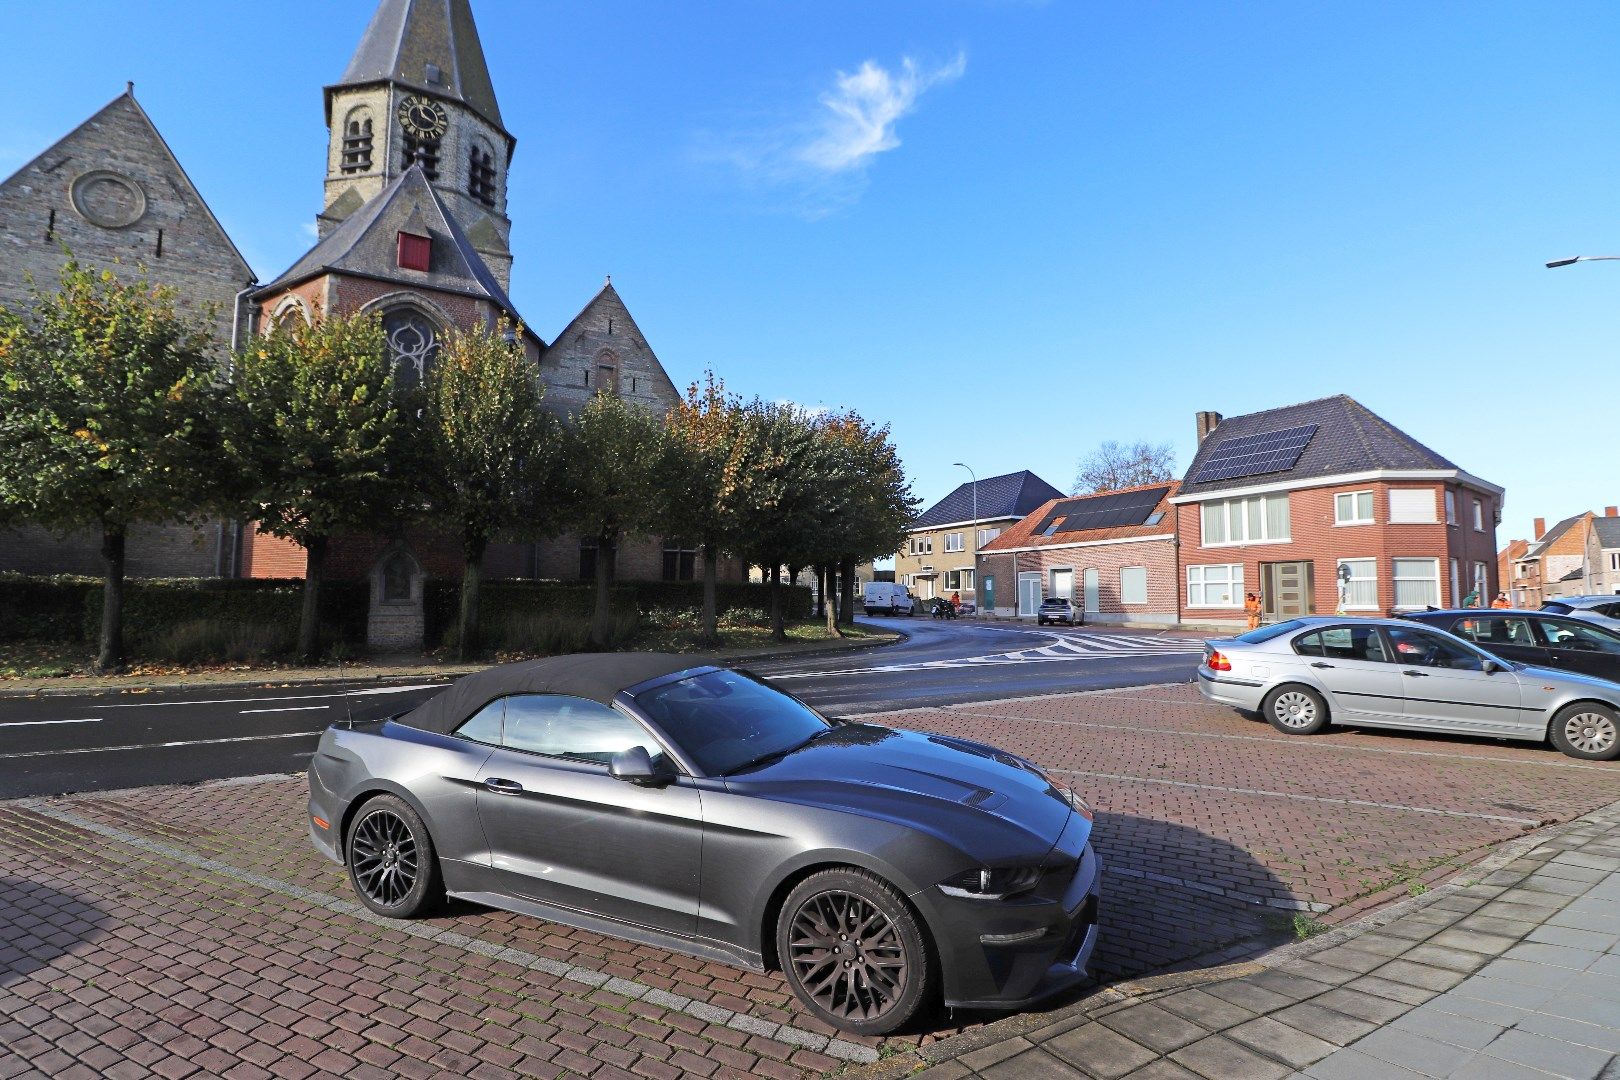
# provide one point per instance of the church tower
(418, 92)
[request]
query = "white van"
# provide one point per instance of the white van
(887, 598)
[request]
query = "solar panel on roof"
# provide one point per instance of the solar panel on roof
(1256, 455)
(1116, 510)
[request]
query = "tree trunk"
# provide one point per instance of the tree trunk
(778, 631)
(846, 592)
(821, 589)
(309, 623)
(110, 655)
(472, 576)
(711, 575)
(832, 607)
(602, 621)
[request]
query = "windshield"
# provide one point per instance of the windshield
(726, 721)
(1266, 633)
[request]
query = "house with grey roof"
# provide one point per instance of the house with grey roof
(1603, 553)
(1325, 507)
(942, 547)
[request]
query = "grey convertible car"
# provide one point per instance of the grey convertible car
(699, 809)
(1304, 673)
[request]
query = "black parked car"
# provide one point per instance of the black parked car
(1535, 637)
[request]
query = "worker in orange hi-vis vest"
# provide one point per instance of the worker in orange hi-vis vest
(1251, 605)
(1501, 601)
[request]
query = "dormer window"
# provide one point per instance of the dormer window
(357, 144)
(415, 252)
(481, 176)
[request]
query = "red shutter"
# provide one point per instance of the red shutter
(414, 251)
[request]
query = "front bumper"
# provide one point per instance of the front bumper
(1013, 953)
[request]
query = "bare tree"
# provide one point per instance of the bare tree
(1116, 465)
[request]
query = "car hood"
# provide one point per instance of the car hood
(1532, 672)
(985, 801)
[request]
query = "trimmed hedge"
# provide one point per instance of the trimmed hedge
(153, 606)
(44, 608)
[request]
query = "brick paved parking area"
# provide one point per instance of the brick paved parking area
(194, 931)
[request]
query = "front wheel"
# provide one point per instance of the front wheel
(853, 952)
(1587, 730)
(1296, 710)
(391, 861)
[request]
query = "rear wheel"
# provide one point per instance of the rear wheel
(391, 861)
(1296, 710)
(1587, 730)
(853, 952)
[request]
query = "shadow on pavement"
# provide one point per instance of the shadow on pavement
(39, 924)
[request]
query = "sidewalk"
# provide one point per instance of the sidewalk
(1514, 976)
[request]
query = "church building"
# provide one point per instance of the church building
(413, 225)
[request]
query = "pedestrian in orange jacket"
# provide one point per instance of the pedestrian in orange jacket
(1251, 605)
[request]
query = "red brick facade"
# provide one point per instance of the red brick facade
(1317, 539)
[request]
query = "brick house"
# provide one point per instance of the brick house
(1603, 552)
(1323, 507)
(941, 549)
(1553, 564)
(1113, 554)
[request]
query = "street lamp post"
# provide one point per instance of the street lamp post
(1556, 263)
(975, 476)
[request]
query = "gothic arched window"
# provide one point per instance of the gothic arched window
(413, 342)
(357, 142)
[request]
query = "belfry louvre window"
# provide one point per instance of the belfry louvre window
(423, 152)
(481, 176)
(357, 146)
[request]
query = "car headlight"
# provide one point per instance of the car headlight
(992, 884)
(1068, 794)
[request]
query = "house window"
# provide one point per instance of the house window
(953, 542)
(1353, 508)
(1456, 582)
(987, 535)
(1417, 583)
(1360, 589)
(481, 175)
(1481, 583)
(1614, 560)
(413, 342)
(1479, 516)
(680, 561)
(1411, 506)
(1215, 586)
(1451, 508)
(1133, 585)
(1256, 520)
(357, 143)
(956, 580)
(423, 152)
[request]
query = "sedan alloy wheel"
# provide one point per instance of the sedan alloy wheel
(392, 864)
(1587, 731)
(1296, 710)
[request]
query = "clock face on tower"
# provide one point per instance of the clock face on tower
(422, 117)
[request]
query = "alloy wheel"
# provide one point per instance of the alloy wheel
(1294, 709)
(384, 856)
(848, 955)
(1591, 732)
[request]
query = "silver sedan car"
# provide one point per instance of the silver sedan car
(1303, 674)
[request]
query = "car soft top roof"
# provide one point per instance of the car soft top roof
(595, 676)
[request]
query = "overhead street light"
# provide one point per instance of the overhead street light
(1582, 258)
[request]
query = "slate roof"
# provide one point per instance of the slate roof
(366, 244)
(1608, 531)
(1009, 495)
(1026, 533)
(405, 36)
(1349, 438)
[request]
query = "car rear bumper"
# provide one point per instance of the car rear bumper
(1238, 693)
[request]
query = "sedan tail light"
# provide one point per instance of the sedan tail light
(1217, 662)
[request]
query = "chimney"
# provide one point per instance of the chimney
(1206, 424)
(1611, 511)
(1541, 528)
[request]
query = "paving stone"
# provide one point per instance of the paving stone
(1605, 1037)
(1205, 1010)
(1352, 957)
(1157, 1029)
(1524, 973)
(1563, 956)
(1032, 1065)
(1412, 1051)
(1243, 992)
(1098, 1050)
(1359, 1003)
(1397, 991)
(1474, 941)
(1352, 1064)
(1485, 1067)
(1278, 1040)
(1573, 938)
(1219, 1058)
(996, 1052)
(1340, 1029)
(1464, 1031)
(1505, 992)
(1461, 961)
(948, 1070)
(1162, 1070)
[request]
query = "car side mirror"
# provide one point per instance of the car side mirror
(635, 766)
(1490, 667)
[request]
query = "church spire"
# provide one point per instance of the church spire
(429, 45)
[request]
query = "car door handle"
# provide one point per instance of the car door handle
(1321, 664)
(505, 787)
(1415, 674)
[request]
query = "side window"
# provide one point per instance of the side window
(1350, 643)
(571, 727)
(484, 726)
(1309, 645)
(1580, 638)
(1421, 649)
(1497, 631)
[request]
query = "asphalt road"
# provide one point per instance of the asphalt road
(119, 739)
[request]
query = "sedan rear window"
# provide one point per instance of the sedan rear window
(725, 720)
(1556, 608)
(1266, 633)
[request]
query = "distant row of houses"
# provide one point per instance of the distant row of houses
(1317, 508)
(1579, 556)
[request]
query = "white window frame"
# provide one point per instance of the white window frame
(1456, 582)
(1451, 507)
(1355, 517)
(1125, 591)
(1371, 568)
(1402, 518)
(987, 535)
(1235, 512)
(1482, 583)
(1614, 560)
(1233, 582)
(1479, 515)
(953, 543)
(1397, 577)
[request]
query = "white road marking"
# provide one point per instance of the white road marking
(287, 697)
(1064, 649)
(162, 745)
(290, 708)
(37, 723)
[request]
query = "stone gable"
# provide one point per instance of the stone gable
(604, 342)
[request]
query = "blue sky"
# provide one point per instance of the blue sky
(1010, 229)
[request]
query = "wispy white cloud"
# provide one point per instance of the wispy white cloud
(818, 161)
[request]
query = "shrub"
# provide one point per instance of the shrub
(550, 633)
(206, 639)
(44, 608)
